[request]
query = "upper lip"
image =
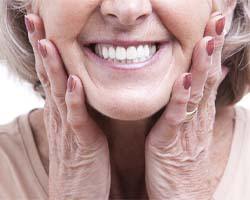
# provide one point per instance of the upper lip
(124, 43)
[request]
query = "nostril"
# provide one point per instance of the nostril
(112, 16)
(142, 17)
(126, 21)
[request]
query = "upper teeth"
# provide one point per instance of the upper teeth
(130, 54)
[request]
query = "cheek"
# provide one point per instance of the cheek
(185, 19)
(65, 24)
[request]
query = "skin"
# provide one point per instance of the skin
(119, 91)
(133, 96)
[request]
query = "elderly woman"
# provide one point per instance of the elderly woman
(139, 99)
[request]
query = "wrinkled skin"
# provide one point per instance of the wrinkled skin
(130, 96)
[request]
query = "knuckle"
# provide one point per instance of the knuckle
(42, 75)
(75, 121)
(58, 96)
(180, 101)
(200, 68)
(74, 103)
(55, 123)
(212, 80)
(53, 69)
(172, 119)
(196, 98)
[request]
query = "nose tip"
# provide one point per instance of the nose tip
(126, 13)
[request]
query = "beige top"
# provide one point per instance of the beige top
(22, 175)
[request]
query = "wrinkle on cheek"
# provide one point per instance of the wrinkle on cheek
(64, 20)
(185, 19)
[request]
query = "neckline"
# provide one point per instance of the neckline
(43, 178)
(32, 152)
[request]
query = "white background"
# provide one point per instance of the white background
(17, 97)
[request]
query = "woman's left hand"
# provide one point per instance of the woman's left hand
(176, 150)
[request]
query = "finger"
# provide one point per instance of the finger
(36, 32)
(202, 62)
(84, 127)
(56, 74)
(215, 28)
(215, 25)
(164, 132)
(35, 28)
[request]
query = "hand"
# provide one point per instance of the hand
(176, 152)
(79, 165)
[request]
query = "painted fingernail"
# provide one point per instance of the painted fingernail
(220, 24)
(210, 47)
(187, 81)
(29, 24)
(42, 49)
(71, 83)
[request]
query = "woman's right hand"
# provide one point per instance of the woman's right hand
(79, 166)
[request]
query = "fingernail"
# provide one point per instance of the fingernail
(29, 24)
(42, 49)
(71, 83)
(210, 47)
(187, 81)
(220, 24)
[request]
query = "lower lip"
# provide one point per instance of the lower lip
(121, 66)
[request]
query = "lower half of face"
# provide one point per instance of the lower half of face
(127, 94)
(145, 88)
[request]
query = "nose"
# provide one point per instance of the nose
(125, 12)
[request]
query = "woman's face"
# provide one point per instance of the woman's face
(126, 94)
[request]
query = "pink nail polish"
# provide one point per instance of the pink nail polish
(29, 24)
(187, 81)
(71, 84)
(220, 24)
(42, 49)
(210, 47)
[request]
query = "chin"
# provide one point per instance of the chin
(128, 108)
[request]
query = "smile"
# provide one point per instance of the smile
(124, 55)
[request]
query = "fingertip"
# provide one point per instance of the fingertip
(181, 91)
(187, 81)
(74, 88)
(183, 83)
(71, 84)
(78, 82)
(77, 113)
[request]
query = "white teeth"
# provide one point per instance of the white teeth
(111, 52)
(146, 51)
(140, 51)
(120, 53)
(105, 52)
(130, 55)
(152, 50)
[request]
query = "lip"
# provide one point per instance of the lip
(120, 66)
(125, 43)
